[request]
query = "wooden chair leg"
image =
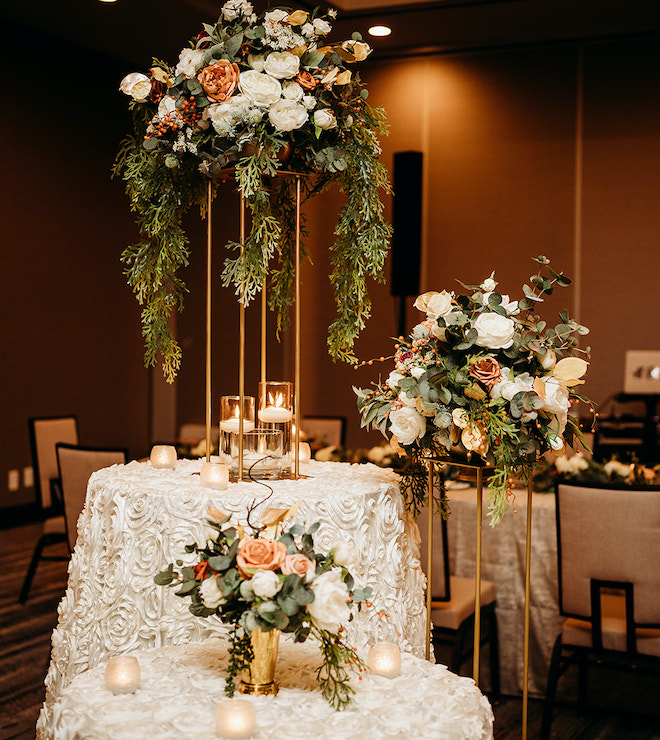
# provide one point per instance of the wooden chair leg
(494, 654)
(36, 557)
(551, 690)
(583, 673)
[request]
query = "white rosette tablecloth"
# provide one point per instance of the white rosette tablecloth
(181, 687)
(137, 520)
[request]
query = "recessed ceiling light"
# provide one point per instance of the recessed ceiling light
(380, 31)
(107, 1)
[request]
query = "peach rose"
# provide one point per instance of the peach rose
(260, 554)
(306, 80)
(297, 563)
(219, 80)
(487, 371)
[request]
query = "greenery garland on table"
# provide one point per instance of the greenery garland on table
(257, 95)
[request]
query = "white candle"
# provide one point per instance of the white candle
(163, 457)
(384, 659)
(231, 425)
(122, 674)
(275, 415)
(214, 475)
(235, 718)
(304, 452)
(260, 462)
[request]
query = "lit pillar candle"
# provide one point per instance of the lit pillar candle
(163, 457)
(214, 475)
(235, 718)
(122, 674)
(384, 659)
(275, 415)
(232, 425)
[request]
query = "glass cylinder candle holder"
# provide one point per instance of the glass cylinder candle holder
(230, 419)
(384, 659)
(214, 475)
(276, 412)
(122, 674)
(262, 454)
(163, 457)
(235, 718)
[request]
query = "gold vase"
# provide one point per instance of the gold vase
(259, 678)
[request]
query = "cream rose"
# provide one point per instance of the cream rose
(325, 119)
(359, 49)
(394, 378)
(321, 27)
(330, 607)
(257, 61)
(259, 88)
(434, 304)
(265, 584)
(210, 594)
(292, 90)
(494, 331)
(234, 9)
(344, 553)
(137, 85)
(287, 115)
(190, 60)
(407, 425)
(282, 64)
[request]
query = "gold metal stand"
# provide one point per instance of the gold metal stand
(296, 378)
(528, 575)
(209, 398)
(241, 352)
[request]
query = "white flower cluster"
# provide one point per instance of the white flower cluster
(235, 9)
(572, 465)
(279, 35)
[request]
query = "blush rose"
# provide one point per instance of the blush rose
(260, 554)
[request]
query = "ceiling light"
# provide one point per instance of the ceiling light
(380, 31)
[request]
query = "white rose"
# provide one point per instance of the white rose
(137, 85)
(210, 594)
(488, 285)
(394, 378)
(556, 399)
(523, 382)
(233, 9)
(321, 27)
(434, 304)
(259, 88)
(330, 606)
(167, 105)
(292, 90)
(344, 553)
(407, 425)
(309, 101)
(548, 359)
(307, 30)
(325, 119)
(265, 583)
(257, 61)
(275, 16)
(282, 64)
(287, 115)
(417, 372)
(190, 60)
(494, 331)
(511, 307)
(556, 443)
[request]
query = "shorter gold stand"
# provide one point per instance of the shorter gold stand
(259, 678)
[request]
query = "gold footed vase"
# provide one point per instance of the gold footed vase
(259, 678)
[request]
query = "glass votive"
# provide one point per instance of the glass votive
(384, 659)
(230, 419)
(304, 452)
(214, 475)
(262, 454)
(163, 457)
(235, 718)
(122, 674)
(276, 412)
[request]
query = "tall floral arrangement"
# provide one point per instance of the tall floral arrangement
(483, 375)
(272, 579)
(254, 96)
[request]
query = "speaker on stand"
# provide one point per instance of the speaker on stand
(406, 253)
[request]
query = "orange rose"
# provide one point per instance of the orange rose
(219, 80)
(306, 80)
(260, 554)
(297, 563)
(487, 371)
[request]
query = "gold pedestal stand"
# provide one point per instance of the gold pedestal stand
(478, 465)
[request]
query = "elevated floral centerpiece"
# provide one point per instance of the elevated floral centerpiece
(483, 375)
(271, 581)
(254, 96)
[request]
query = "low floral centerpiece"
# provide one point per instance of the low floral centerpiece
(483, 375)
(253, 96)
(272, 581)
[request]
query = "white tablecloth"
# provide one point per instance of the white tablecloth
(137, 520)
(503, 562)
(181, 687)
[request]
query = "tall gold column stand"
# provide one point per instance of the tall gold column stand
(241, 352)
(429, 561)
(264, 316)
(528, 574)
(296, 385)
(209, 399)
(477, 580)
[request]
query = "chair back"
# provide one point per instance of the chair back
(327, 430)
(440, 563)
(194, 433)
(45, 433)
(609, 537)
(76, 464)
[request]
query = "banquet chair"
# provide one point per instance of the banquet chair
(76, 464)
(608, 549)
(45, 433)
(326, 430)
(452, 604)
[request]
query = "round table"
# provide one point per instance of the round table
(138, 519)
(181, 687)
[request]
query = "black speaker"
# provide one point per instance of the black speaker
(406, 254)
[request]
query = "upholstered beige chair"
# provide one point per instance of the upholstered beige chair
(452, 602)
(609, 583)
(76, 464)
(45, 433)
(326, 430)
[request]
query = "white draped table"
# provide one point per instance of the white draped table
(137, 520)
(181, 686)
(503, 562)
